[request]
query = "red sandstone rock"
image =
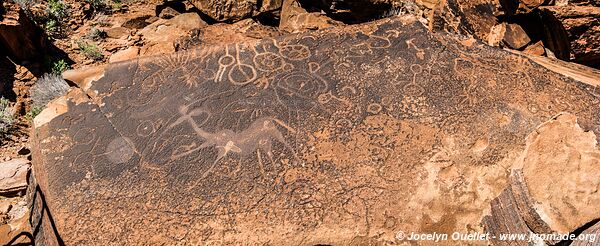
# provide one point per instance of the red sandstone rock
(343, 136)
(20, 38)
(13, 176)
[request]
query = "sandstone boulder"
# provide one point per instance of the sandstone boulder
(160, 37)
(582, 25)
(222, 33)
(296, 19)
(515, 37)
(126, 54)
(334, 137)
(117, 32)
(476, 18)
(235, 10)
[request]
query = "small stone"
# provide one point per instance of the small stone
(496, 35)
(170, 9)
(117, 32)
(168, 13)
(535, 49)
(515, 37)
(138, 22)
(5, 206)
(24, 151)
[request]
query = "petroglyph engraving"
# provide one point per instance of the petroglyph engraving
(378, 42)
(419, 52)
(85, 136)
(241, 73)
(299, 88)
(413, 88)
(224, 62)
(268, 62)
(295, 52)
(258, 136)
(338, 137)
(120, 150)
(146, 128)
(374, 108)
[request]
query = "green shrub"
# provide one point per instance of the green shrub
(105, 5)
(56, 12)
(57, 9)
(6, 117)
(52, 27)
(96, 34)
(117, 5)
(90, 50)
(33, 112)
(59, 66)
(97, 5)
(56, 66)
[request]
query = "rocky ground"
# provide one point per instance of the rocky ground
(49, 37)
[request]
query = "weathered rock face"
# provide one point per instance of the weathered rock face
(553, 189)
(339, 137)
(569, 200)
(473, 17)
(594, 234)
(160, 36)
(296, 19)
(582, 24)
(235, 10)
(13, 176)
(20, 38)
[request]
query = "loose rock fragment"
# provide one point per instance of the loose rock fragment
(13, 176)
(515, 37)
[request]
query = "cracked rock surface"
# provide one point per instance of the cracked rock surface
(342, 136)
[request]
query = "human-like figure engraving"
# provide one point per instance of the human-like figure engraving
(413, 88)
(224, 62)
(241, 73)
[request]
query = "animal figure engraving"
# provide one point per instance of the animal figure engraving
(257, 137)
